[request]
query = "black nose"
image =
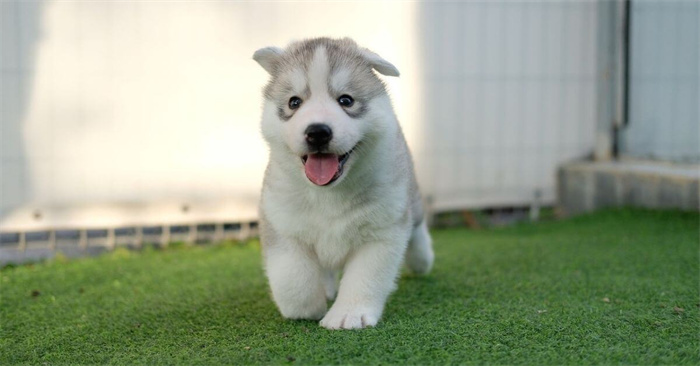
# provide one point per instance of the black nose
(318, 134)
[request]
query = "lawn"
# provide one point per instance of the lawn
(618, 286)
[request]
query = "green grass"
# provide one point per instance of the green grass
(613, 287)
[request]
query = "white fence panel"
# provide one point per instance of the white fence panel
(509, 94)
(664, 121)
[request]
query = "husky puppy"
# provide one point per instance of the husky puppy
(339, 192)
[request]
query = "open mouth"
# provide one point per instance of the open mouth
(324, 169)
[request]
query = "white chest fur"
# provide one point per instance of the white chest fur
(335, 221)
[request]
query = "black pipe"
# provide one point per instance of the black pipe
(624, 122)
(626, 64)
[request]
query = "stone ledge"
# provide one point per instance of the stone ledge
(588, 186)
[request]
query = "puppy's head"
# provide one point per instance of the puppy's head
(323, 101)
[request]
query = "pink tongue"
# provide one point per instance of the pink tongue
(321, 168)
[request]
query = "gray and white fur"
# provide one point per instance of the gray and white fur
(365, 219)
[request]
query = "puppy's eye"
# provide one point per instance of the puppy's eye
(294, 102)
(346, 100)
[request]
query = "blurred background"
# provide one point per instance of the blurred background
(124, 121)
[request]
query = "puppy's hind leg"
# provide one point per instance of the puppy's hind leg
(419, 255)
(296, 280)
(331, 284)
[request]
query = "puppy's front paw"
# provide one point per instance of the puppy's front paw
(304, 311)
(349, 318)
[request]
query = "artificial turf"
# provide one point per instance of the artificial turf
(613, 287)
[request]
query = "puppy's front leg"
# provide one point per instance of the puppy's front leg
(296, 281)
(368, 279)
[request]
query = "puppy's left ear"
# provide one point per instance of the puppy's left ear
(268, 58)
(382, 66)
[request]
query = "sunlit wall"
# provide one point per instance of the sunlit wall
(117, 113)
(135, 104)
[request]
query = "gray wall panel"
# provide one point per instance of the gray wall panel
(664, 121)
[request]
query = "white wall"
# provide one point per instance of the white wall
(510, 93)
(122, 112)
(136, 105)
(664, 121)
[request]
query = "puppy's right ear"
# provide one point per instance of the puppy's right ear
(383, 66)
(268, 58)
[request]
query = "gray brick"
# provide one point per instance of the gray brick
(643, 191)
(672, 193)
(578, 192)
(693, 194)
(584, 187)
(605, 190)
